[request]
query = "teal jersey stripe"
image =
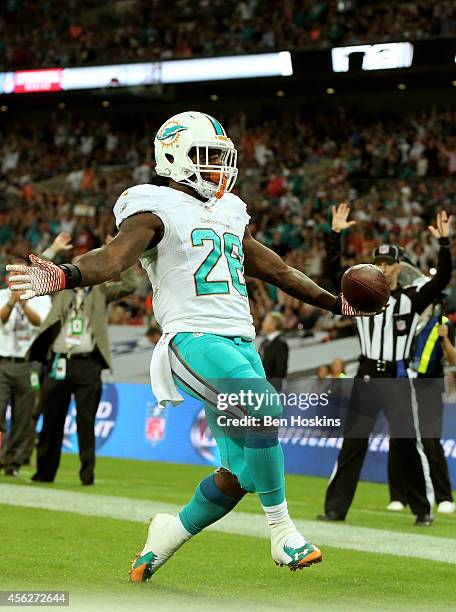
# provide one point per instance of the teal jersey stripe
(217, 126)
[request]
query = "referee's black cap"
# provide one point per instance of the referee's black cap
(387, 252)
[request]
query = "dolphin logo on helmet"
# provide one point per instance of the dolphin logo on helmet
(170, 132)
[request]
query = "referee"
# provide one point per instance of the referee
(385, 341)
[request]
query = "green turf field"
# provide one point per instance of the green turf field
(89, 555)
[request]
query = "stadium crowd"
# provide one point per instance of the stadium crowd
(64, 175)
(98, 31)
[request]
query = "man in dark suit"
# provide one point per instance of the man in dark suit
(274, 350)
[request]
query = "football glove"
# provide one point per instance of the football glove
(42, 277)
(344, 308)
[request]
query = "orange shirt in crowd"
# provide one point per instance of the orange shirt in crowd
(88, 179)
(27, 193)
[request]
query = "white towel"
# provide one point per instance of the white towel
(161, 377)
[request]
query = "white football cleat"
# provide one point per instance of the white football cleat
(446, 507)
(289, 547)
(395, 506)
(162, 542)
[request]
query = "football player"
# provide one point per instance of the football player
(192, 239)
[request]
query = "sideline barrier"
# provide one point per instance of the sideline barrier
(131, 425)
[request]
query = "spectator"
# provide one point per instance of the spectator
(19, 378)
(338, 368)
(323, 372)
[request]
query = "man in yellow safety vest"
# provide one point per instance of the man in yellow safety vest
(433, 346)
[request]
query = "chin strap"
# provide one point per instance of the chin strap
(222, 188)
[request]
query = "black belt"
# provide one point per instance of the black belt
(13, 359)
(381, 365)
(75, 355)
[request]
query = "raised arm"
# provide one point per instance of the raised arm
(136, 234)
(260, 262)
(339, 223)
(62, 242)
(432, 290)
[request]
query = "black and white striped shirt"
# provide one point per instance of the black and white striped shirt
(388, 336)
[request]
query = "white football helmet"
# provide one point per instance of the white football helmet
(184, 146)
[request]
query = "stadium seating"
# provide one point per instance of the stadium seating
(97, 31)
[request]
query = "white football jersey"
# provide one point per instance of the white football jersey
(196, 271)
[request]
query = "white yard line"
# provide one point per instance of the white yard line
(240, 523)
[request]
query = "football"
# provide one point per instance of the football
(365, 287)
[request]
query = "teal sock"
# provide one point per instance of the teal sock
(208, 505)
(264, 459)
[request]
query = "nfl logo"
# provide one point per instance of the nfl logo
(400, 325)
(155, 423)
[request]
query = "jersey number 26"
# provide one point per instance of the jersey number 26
(231, 247)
